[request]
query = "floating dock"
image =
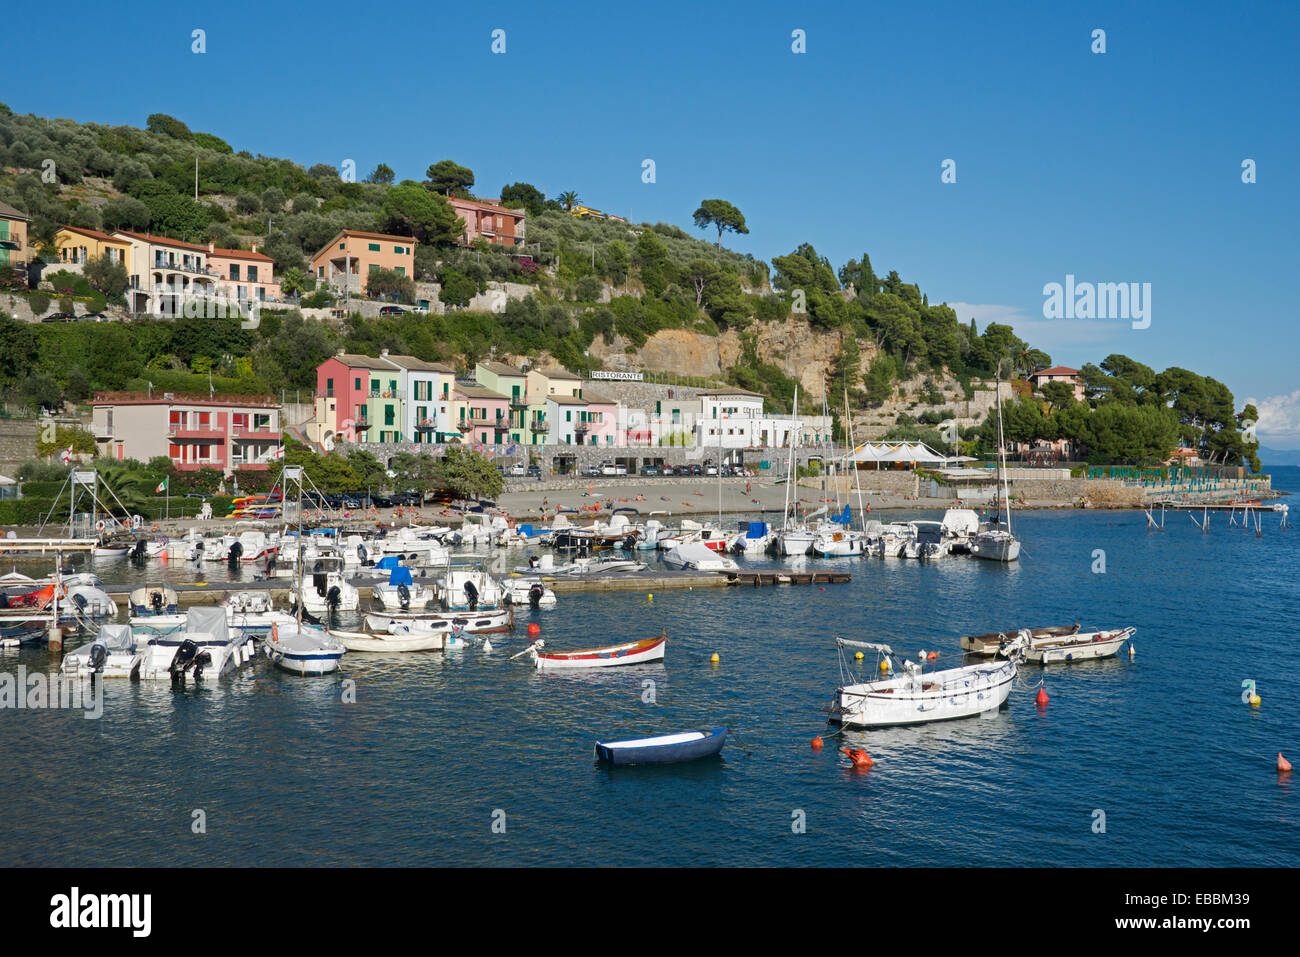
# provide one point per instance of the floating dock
(757, 579)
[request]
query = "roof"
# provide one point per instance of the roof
(500, 368)
(360, 235)
(896, 452)
(362, 362)
(496, 207)
(412, 364)
(160, 240)
(8, 212)
(566, 400)
(731, 390)
(93, 233)
(1056, 370)
(558, 374)
(597, 397)
(472, 391)
(239, 254)
(159, 397)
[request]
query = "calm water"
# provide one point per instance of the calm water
(412, 772)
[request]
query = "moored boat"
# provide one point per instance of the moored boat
(628, 653)
(664, 748)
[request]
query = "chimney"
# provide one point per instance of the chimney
(212, 248)
(383, 353)
(254, 247)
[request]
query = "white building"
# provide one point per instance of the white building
(733, 418)
(565, 415)
(425, 389)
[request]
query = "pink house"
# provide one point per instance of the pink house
(1059, 374)
(347, 386)
(601, 418)
(481, 415)
(495, 223)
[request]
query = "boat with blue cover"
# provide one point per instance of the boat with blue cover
(663, 749)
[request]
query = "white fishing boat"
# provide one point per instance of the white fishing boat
(205, 648)
(1081, 646)
(839, 543)
(327, 589)
(698, 557)
(927, 541)
(84, 597)
(112, 654)
(469, 588)
(916, 696)
(890, 539)
(989, 644)
(303, 649)
(396, 643)
(252, 612)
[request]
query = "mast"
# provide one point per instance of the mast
(789, 465)
(1002, 453)
(857, 480)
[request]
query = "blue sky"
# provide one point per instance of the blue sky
(1115, 167)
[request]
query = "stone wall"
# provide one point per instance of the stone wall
(17, 443)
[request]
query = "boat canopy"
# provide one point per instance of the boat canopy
(207, 620)
(389, 562)
(756, 530)
(118, 636)
(869, 645)
(401, 575)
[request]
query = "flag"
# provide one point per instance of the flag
(278, 453)
(162, 486)
(66, 455)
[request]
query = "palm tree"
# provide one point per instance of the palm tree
(568, 200)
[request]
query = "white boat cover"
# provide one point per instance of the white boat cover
(208, 620)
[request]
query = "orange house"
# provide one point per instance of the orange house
(350, 257)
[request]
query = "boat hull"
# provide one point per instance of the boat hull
(665, 749)
(921, 699)
(633, 653)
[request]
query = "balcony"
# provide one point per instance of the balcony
(539, 427)
(360, 425)
(203, 434)
(582, 428)
(425, 425)
(464, 426)
(518, 402)
(266, 434)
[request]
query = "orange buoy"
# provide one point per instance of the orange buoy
(1283, 764)
(534, 629)
(932, 656)
(817, 743)
(859, 757)
(1042, 699)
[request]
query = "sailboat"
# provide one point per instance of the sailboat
(795, 537)
(997, 544)
(295, 647)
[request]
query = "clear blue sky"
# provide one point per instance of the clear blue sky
(1120, 167)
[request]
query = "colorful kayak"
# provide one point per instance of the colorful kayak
(664, 749)
(631, 653)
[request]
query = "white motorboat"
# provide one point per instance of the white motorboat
(890, 539)
(927, 541)
(699, 557)
(917, 696)
(525, 590)
(252, 546)
(754, 539)
(85, 597)
(599, 565)
(303, 649)
(482, 622)
(112, 654)
(469, 588)
(401, 592)
(959, 524)
(252, 612)
(153, 600)
(206, 647)
(327, 589)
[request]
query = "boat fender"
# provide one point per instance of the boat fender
(859, 757)
(100, 525)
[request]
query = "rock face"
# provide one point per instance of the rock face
(791, 346)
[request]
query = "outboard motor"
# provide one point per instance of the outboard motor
(471, 595)
(532, 561)
(98, 655)
(535, 593)
(236, 552)
(404, 596)
(4, 601)
(188, 657)
(630, 542)
(156, 600)
(270, 564)
(318, 582)
(362, 553)
(138, 553)
(333, 597)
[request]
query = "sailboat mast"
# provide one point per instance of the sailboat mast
(1002, 454)
(857, 479)
(789, 464)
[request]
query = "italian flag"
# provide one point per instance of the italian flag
(162, 486)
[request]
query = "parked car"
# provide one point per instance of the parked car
(607, 468)
(649, 470)
(620, 469)
(517, 469)
(594, 471)
(534, 471)
(391, 310)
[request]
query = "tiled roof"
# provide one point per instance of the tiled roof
(471, 391)
(566, 400)
(558, 374)
(500, 368)
(161, 240)
(1057, 370)
(239, 254)
(8, 212)
(420, 365)
(93, 233)
(363, 362)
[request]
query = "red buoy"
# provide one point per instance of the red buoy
(534, 629)
(932, 656)
(1041, 700)
(817, 743)
(1283, 764)
(859, 757)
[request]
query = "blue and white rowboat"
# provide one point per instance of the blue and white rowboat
(664, 749)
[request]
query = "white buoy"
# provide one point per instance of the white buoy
(1131, 650)
(487, 646)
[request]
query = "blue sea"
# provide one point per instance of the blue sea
(471, 759)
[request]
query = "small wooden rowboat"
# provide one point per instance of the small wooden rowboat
(1079, 647)
(989, 644)
(665, 749)
(631, 653)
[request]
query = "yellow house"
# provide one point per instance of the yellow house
(14, 250)
(77, 246)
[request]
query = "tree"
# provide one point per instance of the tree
(568, 200)
(167, 126)
(424, 215)
(722, 215)
(108, 276)
(447, 177)
(457, 288)
(523, 196)
(468, 474)
(699, 273)
(386, 283)
(382, 174)
(1059, 395)
(415, 473)
(125, 212)
(175, 215)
